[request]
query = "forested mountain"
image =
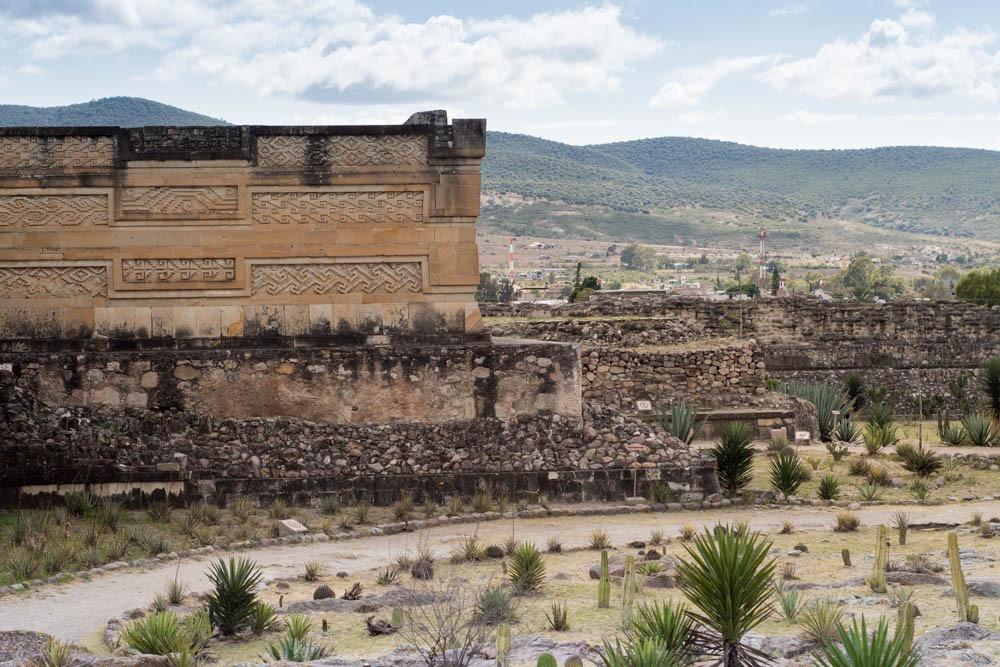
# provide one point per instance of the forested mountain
(120, 111)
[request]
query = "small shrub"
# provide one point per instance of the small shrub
(79, 503)
(787, 527)
(856, 646)
(869, 492)
(404, 562)
(847, 522)
(922, 462)
(422, 569)
(455, 506)
(290, 649)
(776, 446)
(469, 550)
(879, 475)
(787, 472)
(656, 537)
(821, 619)
(264, 618)
(827, 399)
(734, 457)
(877, 438)
(109, 513)
(330, 505)
(660, 493)
(157, 634)
(666, 623)
(430, 509)
(55, 654)
(387, 577)
(208, 514)
(482, 502)
(153, 542)
(952, 435)
(980, 430)
(501, 504)
(599, 540)
(175, 592)
(21, 564)
(788, 571)
(160, 603)
(526, 569)
(829, 488)
(92, 557)
(312, 571)
(790, 601)
(977, 519)
(298, 626)
(649, 568)
(558, 617)
(495, 606)
(158, 511)
(837, 452)
(402, 509)
(687, 532)
(921, 490)
(279, 510)
(55, 558)
(985, 530)
(858, 468)
(242, 509)
(554, 545)
(362, 512)
(510, 545)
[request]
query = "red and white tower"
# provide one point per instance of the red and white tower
(510, 261)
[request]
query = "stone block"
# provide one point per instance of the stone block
(290, 527)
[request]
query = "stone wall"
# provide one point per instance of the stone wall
(208, 233)
(914, 348)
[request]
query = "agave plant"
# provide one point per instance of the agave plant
(665, 622)
(859, 649)
(989, 382)
(526, 569)
(847, 430)
(921, 461)
(880, 411)
(231, 602)
(821, 619)
(156, 634)
(787, 472)
(878, 437)
(293, 649)
(828, 400)
(854, 387)
(681, 422)
(646, 653)
(734, 457)
(727, 577)
(829, 488)
(980, 429)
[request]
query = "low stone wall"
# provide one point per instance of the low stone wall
(600, 332)
(342, 385)
(74, 445)
(710, 373)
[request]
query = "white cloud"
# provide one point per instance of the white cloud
(789, 9)
(342, 51)
(30, 70)
(687, 86)
(699, 117)
(894, 60)
(814, 118)
(917, 20)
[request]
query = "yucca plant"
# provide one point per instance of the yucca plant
(827, 398)
(264, 618)
(880, 412)
(667, 623)
(950, 434)
(829, 487)
(727, 577)
(647, 653)
(494, 606)
(156, 634)
(858, 648)
(921, 461)
(558, 617)
(787, 472)
(292, 649)
(734, 457)
(526, 569)
(980, 429)
(54, 654)
(681, 422)
(847, 430)
(231, 602)
(789, 599)
(989, 383)
(854, 387)
(821, 619)
(877, 437)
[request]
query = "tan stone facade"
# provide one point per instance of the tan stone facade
(240, 231)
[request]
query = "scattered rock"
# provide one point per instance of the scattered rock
(289, 527)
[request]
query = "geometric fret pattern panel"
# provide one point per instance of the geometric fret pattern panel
(363, 277)
(56, 152)
(21, 282)
(284, 208)
(179, 203)
(152, 271)
(57, 210)
(342, 151)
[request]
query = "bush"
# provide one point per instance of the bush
(734, 457)
(847, 430)
(264, 618)
(599, 540)
(156, 634)
(558, 617)
(880, 412)
(858, 648)
(952, 435)
(231, 602)
(821, 619)
(667, 623)
(495, 606)
(847, 522)
(79, 503)
(877, 437)
(980, 430)
(291, 649)
(858, 468)
(922, 462)
(787, 472)
(526, 569)
(869, 492)
(312, 570)
(829, 488)
(468, 550)
(879, 476)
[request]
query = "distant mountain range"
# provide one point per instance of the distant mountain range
(120, 111)
(684, 190)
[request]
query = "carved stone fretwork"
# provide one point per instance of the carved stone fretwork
(56, 152)
(282, 208)
(342, 150)
(179, 203)
(37, 210)
(151, 271)
(360, 277)
(21, 282)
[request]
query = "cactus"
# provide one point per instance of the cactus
(604, 585)
(877, 580)
(846, 555)
(629, 590)
(966, 612)
(902, 529)
(397, 617)
(573, 662)
(503, 645)
(546, 660)
(904, 624)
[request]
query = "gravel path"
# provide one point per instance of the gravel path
(75, 611)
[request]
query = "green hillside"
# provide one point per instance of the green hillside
(120, 111)
(938, 191)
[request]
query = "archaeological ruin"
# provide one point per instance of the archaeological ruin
(206, 311)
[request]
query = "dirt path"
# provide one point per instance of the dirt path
(76, 611)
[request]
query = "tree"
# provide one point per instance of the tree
(775, 280)
(581, 292)
(982, 287)
(493, 290)
(864, 279)
(637, 257)
(741, 265)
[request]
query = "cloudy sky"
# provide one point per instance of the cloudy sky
(803, 73)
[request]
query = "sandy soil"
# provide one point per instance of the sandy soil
(78, 611)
